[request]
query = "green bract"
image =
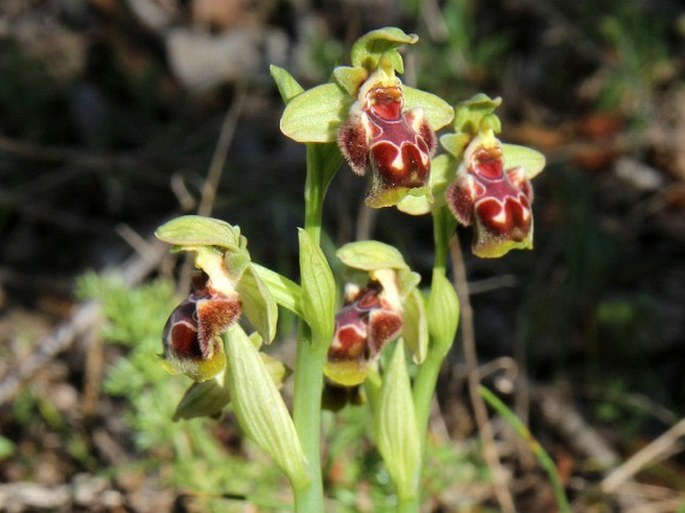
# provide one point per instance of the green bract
(259, 406)
(443, 313)
(318, 288)
(396, 431)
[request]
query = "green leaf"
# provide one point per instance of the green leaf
(286, 84)
(315, 115)
(318, 289)
(438, 111)
(396, 430)
(259, 306)
(199, 231)
(260, 409)
(7, 448)
(415, 331)
(443, 313)
(531, 160)
(370, 255)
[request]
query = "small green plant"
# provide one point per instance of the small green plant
(387, 132)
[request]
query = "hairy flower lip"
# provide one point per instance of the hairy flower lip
(496, 200)
(371, 317)
(191, 336)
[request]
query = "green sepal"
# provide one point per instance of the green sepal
(260, 409)
(477, 114)
(286, 292)
(438, 112)
(287, 86)
(532, 161)
(442, 174)
(318, 289)
(369, 49)
(395, 427)
(350, 79)
(192, 230)
(315, 115)
(443, 313)
(258, 304)
(205, 399)
(370, 255)
(415, 330)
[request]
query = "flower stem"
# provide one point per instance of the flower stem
(427, 375)
(307, 418)
(322, 162)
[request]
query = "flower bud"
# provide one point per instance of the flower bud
(497, 201)
(192, 342)
(395, 144)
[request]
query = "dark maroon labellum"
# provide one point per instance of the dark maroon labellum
(364, 327)
(396, 146)
(496, 200)
(192, 328)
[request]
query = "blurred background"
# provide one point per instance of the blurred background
(116, 115)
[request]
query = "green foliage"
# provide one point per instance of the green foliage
(192, 456)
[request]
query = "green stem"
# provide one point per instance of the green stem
(322, 162)
(427, 375)
(307, 417)
(408, 504)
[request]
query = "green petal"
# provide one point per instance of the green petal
(200, 231)
(370, 48)
(286, 84)
(531, 160)
(350, 79)
(455, 144)
(315, 115)
(371, 255)
(438, 111)
(476, 114)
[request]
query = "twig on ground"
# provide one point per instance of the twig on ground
(86, 316)
(502, 492)
(663, 446)
(216, 167)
